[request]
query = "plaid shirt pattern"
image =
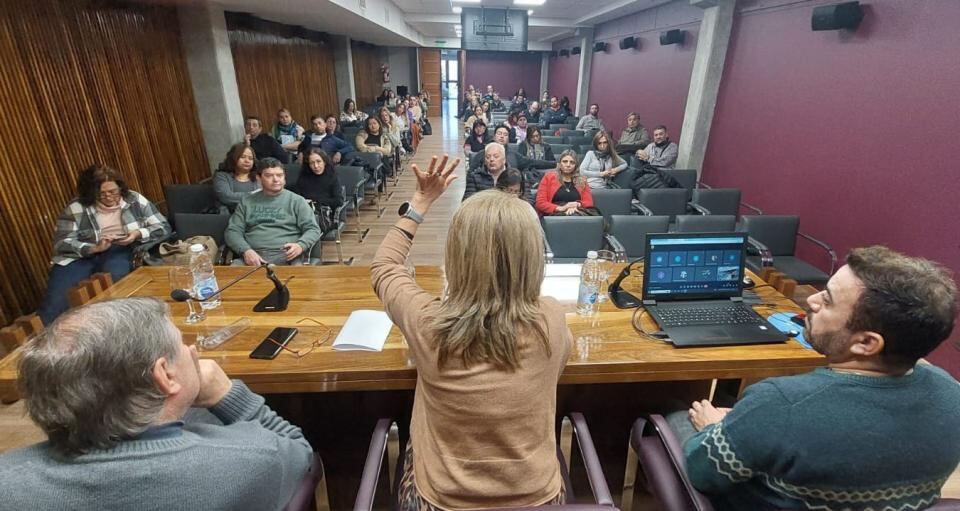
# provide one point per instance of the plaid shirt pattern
(78, 231)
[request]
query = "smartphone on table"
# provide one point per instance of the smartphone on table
(271, 346)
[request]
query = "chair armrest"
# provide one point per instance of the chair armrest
(751, 207)
(701, 184)
(372, 465)
(598, 483)
(640, 208)
(766, 256)
(823, 245)
(674, 450)
(547, 251)
(620, 253)
(224, 255)
(698, 208)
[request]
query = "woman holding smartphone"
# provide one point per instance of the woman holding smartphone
(99, 231)
(488, 355)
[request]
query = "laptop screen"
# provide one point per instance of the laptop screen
(683, 266)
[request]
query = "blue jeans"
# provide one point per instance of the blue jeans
(117, 260)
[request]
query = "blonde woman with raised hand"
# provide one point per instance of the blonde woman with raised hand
(488, 356)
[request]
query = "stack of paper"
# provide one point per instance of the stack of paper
(364, 331)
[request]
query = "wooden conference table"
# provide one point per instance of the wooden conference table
(336, 397)
(607, 348)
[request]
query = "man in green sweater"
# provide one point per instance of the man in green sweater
(872, 430)
(273, 225)
(110, 384)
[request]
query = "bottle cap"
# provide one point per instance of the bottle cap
(592, 254)
(198, 247)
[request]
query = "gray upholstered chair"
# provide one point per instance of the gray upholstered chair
(583, 143)
(686, 177)
(706, 223)
(631, 231)
(717, 201)
(572, 133)
(624, 179)
(384, 443)
(189, 198)
(199, 224)
(559, 148)
(777, 235)
(353, 180)
(662, 201)
(376, 172)
(547, 139)
(613, 201)
(291, 172)
(571, 237)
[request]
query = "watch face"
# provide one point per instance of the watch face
(403, 208)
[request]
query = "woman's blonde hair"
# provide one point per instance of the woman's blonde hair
(578, 179)
(494, 267)
(614, 157)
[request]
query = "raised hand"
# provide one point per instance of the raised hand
(432, 183)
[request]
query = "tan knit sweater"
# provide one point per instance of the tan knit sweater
(482, 437)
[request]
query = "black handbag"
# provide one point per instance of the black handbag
(427, 129)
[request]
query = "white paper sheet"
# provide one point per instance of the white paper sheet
(561, 270)
(364, 330)
(564, 289)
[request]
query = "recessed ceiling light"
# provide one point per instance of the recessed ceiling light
(458, 26)
(469, 1)
(530, 12)
(457, 10)
(527, 2)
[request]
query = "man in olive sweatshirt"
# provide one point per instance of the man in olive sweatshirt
(273, 225)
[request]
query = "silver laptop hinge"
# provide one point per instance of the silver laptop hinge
(736, 299)
(647, 303)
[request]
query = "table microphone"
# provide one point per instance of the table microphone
(276, 303)
(622, 299)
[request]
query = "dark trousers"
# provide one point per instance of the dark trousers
(117, 260)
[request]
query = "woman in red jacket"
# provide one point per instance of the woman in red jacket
(564, 191)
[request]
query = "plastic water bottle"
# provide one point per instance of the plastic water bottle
(204, 280)
(589, 285)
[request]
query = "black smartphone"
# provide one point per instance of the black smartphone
(269, 348)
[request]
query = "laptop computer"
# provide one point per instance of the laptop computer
(693, 288)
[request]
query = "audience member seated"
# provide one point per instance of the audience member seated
(98, 231)
(485, 176)
(389, 128)
(273, 225)
(470, 107)
(565, 105)
(661, 153)
(511, 182)
(264, 146)
(333, 127)
(478, 115)
(478, 139)
(554, 114)
(415, 110)
(533, 146)
(402, 124)
(601, 163)
(564, 191)
(382, 98)
(372, 139)
(236, 177)
(634, 137)
(350, 116)
(520, 130)
(391, 101)
(318, 182)
(521, 93)
(488, 96)
(545, 97)
(519, 105)
(515, 160)
(112, 385)
(496, 104)
(591, 121)
(533, 114)
(874, 429)
(287, 131)
(318, 138)
(488, 357)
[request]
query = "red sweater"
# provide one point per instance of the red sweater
(548, 188)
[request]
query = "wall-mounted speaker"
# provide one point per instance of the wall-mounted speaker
(598, 47)
(847, 15)
(674, 36)
(628, 42)
(564, 53)
(575, 50)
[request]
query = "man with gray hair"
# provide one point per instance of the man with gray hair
(110, 383)
(485, 177)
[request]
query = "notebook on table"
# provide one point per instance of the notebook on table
(693, 288)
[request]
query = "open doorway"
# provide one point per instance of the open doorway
(450, 74)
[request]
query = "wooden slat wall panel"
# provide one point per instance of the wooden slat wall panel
(430, 74)
(368, 79)
(274, 72)
(84, 82)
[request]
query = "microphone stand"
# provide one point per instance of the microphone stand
(278, 299)
(620, 297)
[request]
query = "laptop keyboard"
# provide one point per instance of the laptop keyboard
(692, 316)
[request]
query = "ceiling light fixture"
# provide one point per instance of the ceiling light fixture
(457, 10)
(469, 1)
(527, 2)
(529, 12)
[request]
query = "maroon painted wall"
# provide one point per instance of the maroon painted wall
(563, 72)
(506, 71)
(651, 80)
(856, 133)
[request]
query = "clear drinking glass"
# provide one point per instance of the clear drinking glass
(182, 278)
(607, 260)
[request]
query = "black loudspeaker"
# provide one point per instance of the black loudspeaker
(847, 15)
(575, 50)
(598, 47)
(402, 90)
(674, 36)
(564, 53)
(628, 42)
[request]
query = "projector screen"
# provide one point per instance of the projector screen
(493, 29)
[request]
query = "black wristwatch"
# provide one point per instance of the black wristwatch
(406, 211)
